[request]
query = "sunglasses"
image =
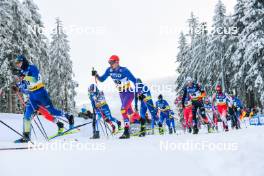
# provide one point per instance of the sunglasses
(112, 62)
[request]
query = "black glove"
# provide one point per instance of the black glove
(94, 73)
(89, 114)
(15, 88)
(141, 97)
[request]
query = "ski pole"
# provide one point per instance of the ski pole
(46, 136)
(40, 130)
(43, 132)
(102, 128)
(11, 128)
(34, 131)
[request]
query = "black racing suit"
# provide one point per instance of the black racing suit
(195, 93)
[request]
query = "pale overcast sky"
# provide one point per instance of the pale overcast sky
(144, 33)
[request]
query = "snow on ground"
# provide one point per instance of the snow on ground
(234, 153)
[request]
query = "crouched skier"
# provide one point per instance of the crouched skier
(144, 96)
(37, 97)
(101, 108)
(164, 113)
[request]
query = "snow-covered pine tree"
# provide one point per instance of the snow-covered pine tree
(183, 60)
(17, 20)
(249, 56)
(217, 47)
(14, 31)
(38, 41)
(60, 81)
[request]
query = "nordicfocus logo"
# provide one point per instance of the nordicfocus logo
(67, 146)
(168, 146)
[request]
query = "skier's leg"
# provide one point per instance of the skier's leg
(29, 110)
(194, 113)
(168, 122)
(143, 111)
(153, 112)
(161, 120)
(126, 110)
(44, 100)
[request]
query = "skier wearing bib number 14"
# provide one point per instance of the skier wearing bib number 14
(38, 97)
(122, 77)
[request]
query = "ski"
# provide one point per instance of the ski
(17, 148)
(69, 131)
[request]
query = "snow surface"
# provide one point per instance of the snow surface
(136, 156)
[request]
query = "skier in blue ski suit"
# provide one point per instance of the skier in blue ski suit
(164, 109)
(146, 103)
(122, 77)
(101, 107)
(38, 96)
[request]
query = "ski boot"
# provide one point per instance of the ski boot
(170, 131)
(195, 129)
(152, 132)
(189, 130)
(161, 131)
(209, 128)
(113, 129)
(24, 139)
(126, 134)
(60, 127)
(142, 128)
(225, 126)
(174, 130)
(71, 120)
(119, 125)
(96, 135)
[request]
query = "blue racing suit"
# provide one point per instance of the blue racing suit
(101, 107)
(144, 96)
(122, 77)
(37, 96)
(164, 109)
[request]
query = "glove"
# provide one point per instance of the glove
(141, 97)
(136, 108)
(15, 88)
(89, 114)
(94, 73)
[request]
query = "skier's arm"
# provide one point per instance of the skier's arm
(130, 76)
(104, 76)
(136, 101)
(229, 99)
(167, 106)
(92, 102)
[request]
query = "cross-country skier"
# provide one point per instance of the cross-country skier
(164, 114)
(211, 114)
(146, 103)
(101, 107)
(38, 97)
(238, 107)
(196, 94)
(122, 77)
(221, 100)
